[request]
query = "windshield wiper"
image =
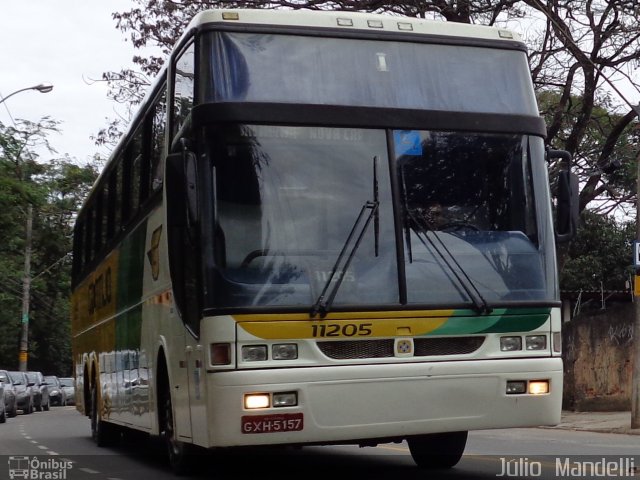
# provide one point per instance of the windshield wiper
(324, 301)
(423, 231)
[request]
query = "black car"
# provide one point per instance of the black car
(40, 390)
(10, 399)
(57, 394)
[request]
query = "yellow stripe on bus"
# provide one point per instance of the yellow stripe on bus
(342, 325)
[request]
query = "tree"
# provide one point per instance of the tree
(600, 256)
(55, 189)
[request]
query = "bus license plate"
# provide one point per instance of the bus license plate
(286, 422)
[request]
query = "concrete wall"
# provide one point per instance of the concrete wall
(597, 352)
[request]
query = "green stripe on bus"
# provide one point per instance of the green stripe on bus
(131, 268)
(130, 281)
(502, 320)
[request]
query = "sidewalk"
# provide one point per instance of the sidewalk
(603, 422)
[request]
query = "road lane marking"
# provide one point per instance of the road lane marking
(88, 470)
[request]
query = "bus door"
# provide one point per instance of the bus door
(194, 354)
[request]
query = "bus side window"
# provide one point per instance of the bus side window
(78, 253)
(88, 244)
(183, 89)
(112, 201)
(131, 178)
(97, 224)
(158, 124)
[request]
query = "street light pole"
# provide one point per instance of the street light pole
(26, 291)
(42, 88)
(26, 279)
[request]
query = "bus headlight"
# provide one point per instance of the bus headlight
(510, 344)
(285, 399)
(536, 342)
(284, 351)
(254, 353)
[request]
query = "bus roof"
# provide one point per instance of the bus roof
(372, 22)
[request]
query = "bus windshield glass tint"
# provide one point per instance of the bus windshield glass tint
(246, 67)
(457, 205)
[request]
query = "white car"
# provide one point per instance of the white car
(68, 384)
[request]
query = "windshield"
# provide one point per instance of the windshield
(260, 67)
(17, 378)
(467, 226)
(66, 382)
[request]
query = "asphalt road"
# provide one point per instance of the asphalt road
(57, 445)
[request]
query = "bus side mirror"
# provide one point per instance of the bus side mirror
(191, 187)
(568, 200)
(182, 177)
(567, 214)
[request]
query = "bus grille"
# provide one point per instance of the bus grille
(423, 347)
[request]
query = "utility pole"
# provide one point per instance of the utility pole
(26, 287)
(635, 353)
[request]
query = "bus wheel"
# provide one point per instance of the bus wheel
(437, 450)
(180, 458)
(103, 434)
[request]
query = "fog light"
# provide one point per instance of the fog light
(284, 351)
(285, 399)
(220, 353)
(254, 353)
(256, 400)
(510, 344)
(536, 342)
(538, 387)
(515, 387)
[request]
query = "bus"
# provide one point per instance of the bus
(325, 228)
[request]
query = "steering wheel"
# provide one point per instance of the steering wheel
(252, 256)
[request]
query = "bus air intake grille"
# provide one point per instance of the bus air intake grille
(423, 347)
(428, 347)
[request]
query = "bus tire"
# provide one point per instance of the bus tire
(180, 454)
(103, 433)
(437, 450)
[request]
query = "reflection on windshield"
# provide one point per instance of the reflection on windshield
(468, 217)
(287, 199)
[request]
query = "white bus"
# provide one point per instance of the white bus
(324, 228)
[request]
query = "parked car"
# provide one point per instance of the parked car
(24, 393)
(3, 409)
(10, 400)
(40, 390)
(57, 394)
(69, 386)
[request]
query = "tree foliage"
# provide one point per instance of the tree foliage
(55, 189)
(600, 256)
